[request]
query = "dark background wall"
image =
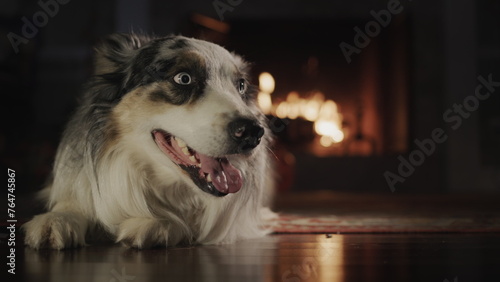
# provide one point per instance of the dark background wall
(451, 44)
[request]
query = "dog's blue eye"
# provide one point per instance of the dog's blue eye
(242, 86)
(183, 78)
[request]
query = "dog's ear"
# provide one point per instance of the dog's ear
(116, 50)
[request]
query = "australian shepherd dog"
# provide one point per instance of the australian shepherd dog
(166, 147)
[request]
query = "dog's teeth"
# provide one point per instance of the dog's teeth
(181, 143)
(209, 178)
(186, 152)
(193, 159)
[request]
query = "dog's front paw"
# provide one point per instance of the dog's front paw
(143, 233)
(55, 230)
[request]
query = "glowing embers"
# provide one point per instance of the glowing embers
(323, 113)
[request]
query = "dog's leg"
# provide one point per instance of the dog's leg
(62, 227)
(146, 232)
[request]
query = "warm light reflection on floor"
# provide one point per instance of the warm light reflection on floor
(320, 261)
(330, 256)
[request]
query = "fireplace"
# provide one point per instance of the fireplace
(333, 109)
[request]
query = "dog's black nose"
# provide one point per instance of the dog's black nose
(247, 133)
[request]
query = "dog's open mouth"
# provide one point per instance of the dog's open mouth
(215, 176)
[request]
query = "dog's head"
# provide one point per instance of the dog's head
(184, 102)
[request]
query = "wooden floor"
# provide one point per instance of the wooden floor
(291, 258)
(471, 257)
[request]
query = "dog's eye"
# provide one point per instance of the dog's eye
(242, 86)
(183, 78)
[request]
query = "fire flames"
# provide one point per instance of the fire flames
(323, 113)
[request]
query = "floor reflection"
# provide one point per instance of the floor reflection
(318, 260)
(288, 258)
(250, 260)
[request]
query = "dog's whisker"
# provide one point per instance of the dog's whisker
(272, 153)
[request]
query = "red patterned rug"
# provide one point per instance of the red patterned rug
(294, 223)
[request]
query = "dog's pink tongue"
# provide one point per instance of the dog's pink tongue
(225, 177)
